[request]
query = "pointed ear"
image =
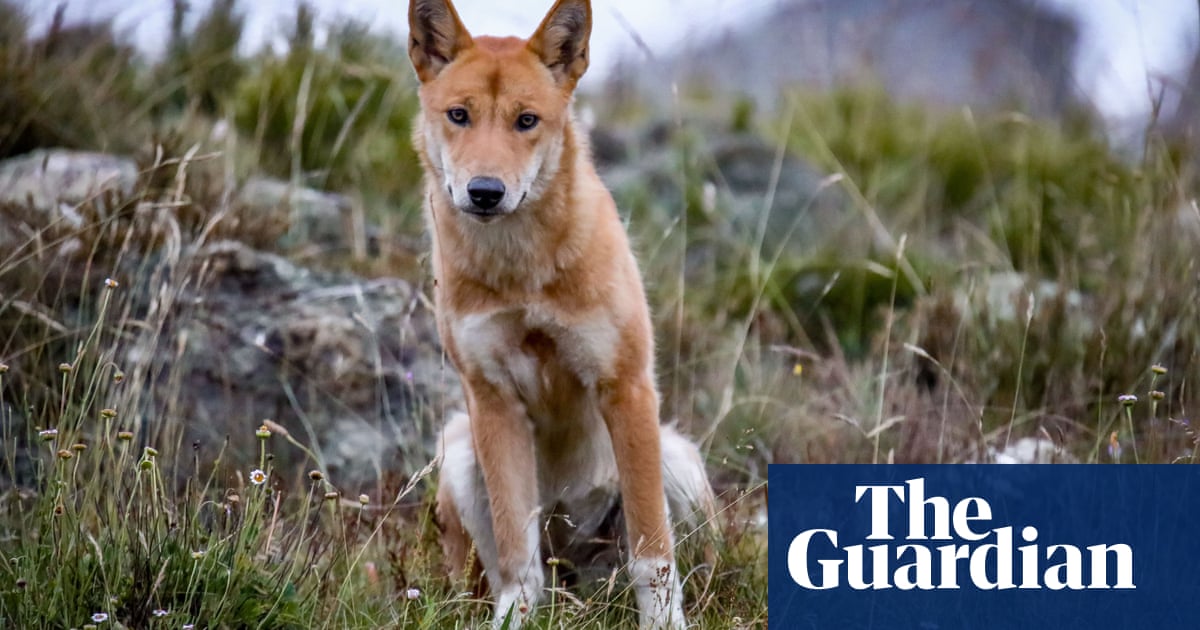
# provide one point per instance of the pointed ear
(435, 36)
(562, 40)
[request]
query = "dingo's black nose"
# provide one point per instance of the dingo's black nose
(485, 192)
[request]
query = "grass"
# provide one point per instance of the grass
(977, 278)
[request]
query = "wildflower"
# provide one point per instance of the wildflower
(64, 454)
(150, 451)
(108, 413)
(331, 496)
(3, 368)
(146, 464)
(79, 447)
(413, 593)
(100, 617)
(263, 432)
(797, 369)
(189, 626)
(1127, 399)
(118, 376)
(316, 475)
(196, 555)
(48, 435)
(65, 368)
(408, 376)
(125, 436)
(1114, 446)
(21, 584)
(109, 283)
(1158, 369)
(258, 477)
(1157, 395)
(364, 499)
(159, 612)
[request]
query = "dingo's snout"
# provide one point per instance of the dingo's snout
(486, 193)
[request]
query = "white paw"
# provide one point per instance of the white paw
(659, 597)
(516, 600)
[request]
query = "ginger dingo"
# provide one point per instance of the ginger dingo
(540, 306)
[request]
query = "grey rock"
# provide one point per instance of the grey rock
(350, 367)
(60, 179)
(316, 219)
(948, 52)
(52, 184)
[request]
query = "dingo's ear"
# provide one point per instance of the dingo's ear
(435, 36)
(562, 40)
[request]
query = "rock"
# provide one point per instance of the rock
(50, 178)
(804, 209)
(218, 336)
(316, 219)
(351, 367)
(50, 185)
(987, 53)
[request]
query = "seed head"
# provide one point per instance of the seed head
(79, 447)
(1157, 395)
(65, 368)
(331, 496)
(108, 413)
(125, 436)
(118, 376)
(196, 555)
(146, 464)
(1158, 369)
(364, 499)
(58, 509)
(3, 368)
(275, 427)
(316, 475)
(65, 454)
(150, 451)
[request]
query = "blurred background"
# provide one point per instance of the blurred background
(1112, 52)
(872, 231)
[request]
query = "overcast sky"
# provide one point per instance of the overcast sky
(1125, 42)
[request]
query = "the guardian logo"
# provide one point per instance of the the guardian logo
(946, 546)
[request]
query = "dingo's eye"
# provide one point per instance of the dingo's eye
(525, 122)
(458, 116)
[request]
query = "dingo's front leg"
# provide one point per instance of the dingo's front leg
(503, 441)
(630, 409)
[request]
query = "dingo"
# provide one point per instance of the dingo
(540, 306)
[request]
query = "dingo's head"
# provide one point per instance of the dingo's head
(494, 110)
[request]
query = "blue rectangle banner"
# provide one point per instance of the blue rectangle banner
(961, 547)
